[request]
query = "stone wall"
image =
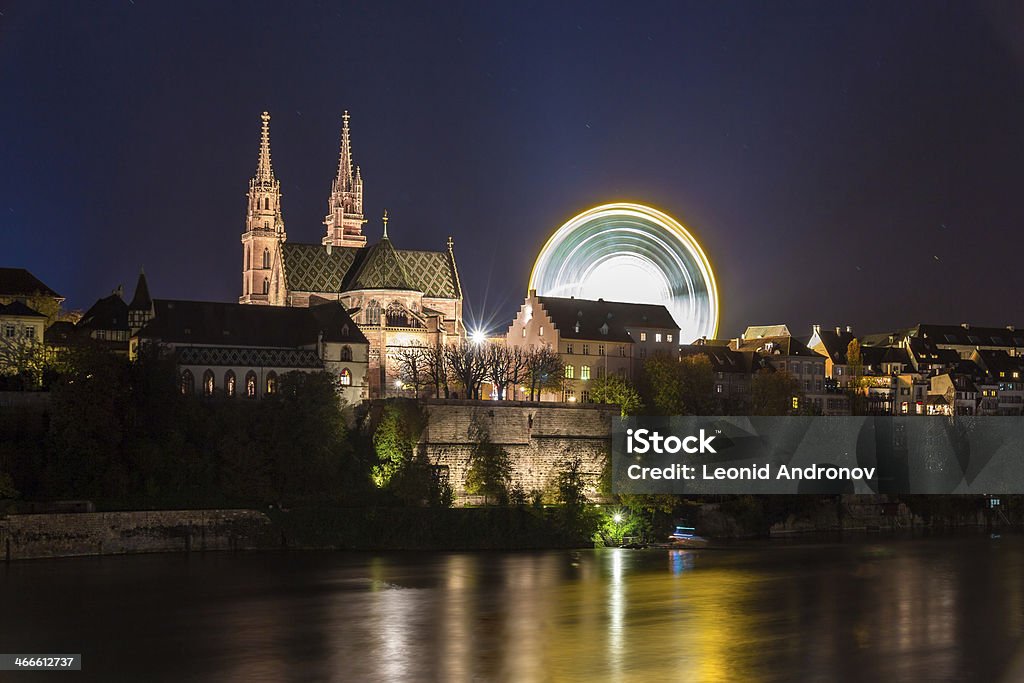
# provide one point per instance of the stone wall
(116, 533)
(538, 436)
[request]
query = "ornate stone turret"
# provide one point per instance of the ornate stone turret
(344, 220)
(264, 225)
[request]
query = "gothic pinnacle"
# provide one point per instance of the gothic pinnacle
(264, 171)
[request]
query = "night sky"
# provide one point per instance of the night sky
(860, 165)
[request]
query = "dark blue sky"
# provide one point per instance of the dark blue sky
(860, 165)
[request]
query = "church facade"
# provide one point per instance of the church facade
(398, 298)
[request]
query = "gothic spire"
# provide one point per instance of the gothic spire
(343, 182)
(264, 171)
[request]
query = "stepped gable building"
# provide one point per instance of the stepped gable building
(234, 350)
(594, 338)
(398, 298)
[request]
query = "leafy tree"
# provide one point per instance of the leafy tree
(490, 468)
(772, 392)
(671, 386)
(571, 484)
(616, 390)
(855, 368)
(395, 440)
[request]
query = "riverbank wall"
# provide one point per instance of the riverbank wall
(36, 536)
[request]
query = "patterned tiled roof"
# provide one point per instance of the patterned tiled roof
(234, 356)
(310, 268)
(380, 268)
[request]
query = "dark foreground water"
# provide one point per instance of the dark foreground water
(886, 610)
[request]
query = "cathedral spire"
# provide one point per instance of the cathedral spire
(264, 171)
(344, 220)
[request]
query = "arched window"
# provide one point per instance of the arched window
(396, 315)
(266, 286)
(345, 378)
(229, 383)
(250, 384)
(208, 384)
(266, 203)
(266, 257)
(346, 353)
(569, 371)
(373, 312)
(188, 383)
(271, 382)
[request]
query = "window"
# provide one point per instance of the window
(229, 383)
(266, 286)
(670, 337)
(585, 396)
(586, 349)
(796, 403)
(247, 258)
(266, 258)
(540, 330)
(570, 372)
(524, 333)
(266, 203)
(600, 349)
(718, 388)
(373, 312)
(569, 396)
(346, 353)
(622, 351)
(30, 333)
(600, 373)
(643, 336)
(271, 382)
(584, 372)
(188, 383)
(643, 353)
(657, 337)
(208, 384)
(250, 384)
(568, 348)
(9, 331)
(345, 378)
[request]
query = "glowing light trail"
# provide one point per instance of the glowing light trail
(633, 253)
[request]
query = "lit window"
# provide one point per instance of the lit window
(584, 372)
(250, 384)
(271, 382)
(187, 383)
(208, 384)
(345, 378)
(569, 396)
(570, 372)
(670, 337)
(796, 403)
(643, 336)
(657, 337)
(718, 388)
(524, 332)
(229, 383)
(540, 330)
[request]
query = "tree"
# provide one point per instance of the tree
(466, 361)
(24, 359)
(490, 468)
(395, 440)
(678, 387)
(435, 366)
(698, 385)
(616, 390)
(410, 365)
(544, 369)
(855, 368)
(571, 485)
(773, 392)
(505, 366)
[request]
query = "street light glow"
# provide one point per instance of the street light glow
(477, 336)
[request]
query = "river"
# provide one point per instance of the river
(861, 610)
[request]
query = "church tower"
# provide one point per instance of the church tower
(344, 221)
(264, 226)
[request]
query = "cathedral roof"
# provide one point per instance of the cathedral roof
(312, 268)
(380, 268)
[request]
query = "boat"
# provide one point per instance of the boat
(684, 537)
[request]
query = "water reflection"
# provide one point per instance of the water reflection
(902, 610)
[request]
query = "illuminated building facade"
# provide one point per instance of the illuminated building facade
(398, 298)
(595, 339)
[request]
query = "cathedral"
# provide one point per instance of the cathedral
(398, 298)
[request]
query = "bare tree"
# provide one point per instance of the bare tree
(466, 361)
(437, 369)
(411, 367)
(506, 366)
(544, 370)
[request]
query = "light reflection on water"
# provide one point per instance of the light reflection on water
(895, 610)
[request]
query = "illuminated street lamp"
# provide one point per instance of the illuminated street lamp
(477, 336)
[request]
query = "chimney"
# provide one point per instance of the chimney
(817, 328)
(838, 330)
(966, 326)
(849, 329)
